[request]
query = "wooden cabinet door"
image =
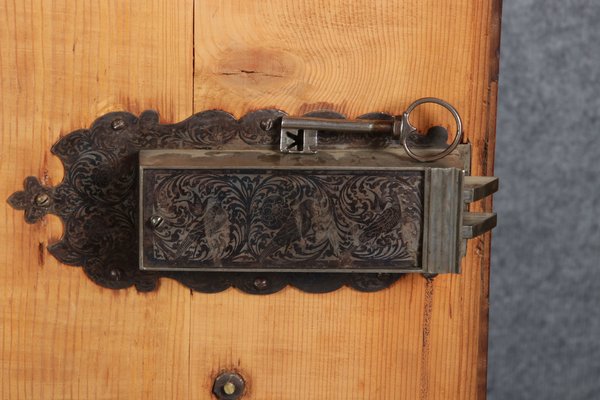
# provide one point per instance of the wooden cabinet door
(64, 63)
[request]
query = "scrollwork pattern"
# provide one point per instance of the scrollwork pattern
(339, 220)
(96, 201)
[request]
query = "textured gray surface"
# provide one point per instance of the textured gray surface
(545, 282)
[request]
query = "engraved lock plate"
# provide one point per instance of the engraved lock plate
(336, 211)
(222, 202)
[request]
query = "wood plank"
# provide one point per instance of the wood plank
(62, 64)
(419, 339)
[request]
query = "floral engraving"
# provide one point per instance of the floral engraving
(97, 203)
(310, 219)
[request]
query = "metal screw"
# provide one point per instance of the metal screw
(118, 124)
(261, 283)
(156, 221)
(42, 199)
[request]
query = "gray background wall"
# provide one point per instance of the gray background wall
(545, 281)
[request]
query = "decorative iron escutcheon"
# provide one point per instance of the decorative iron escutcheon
(215, 202)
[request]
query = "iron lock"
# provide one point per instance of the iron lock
(258, 203)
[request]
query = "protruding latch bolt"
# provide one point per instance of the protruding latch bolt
(229, 386)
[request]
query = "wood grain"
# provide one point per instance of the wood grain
(419, 339)
(62, 64)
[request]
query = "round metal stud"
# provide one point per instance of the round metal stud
(229, 386)
(118, 124)
(267, 124)
(115, 274)
(261, 283)
(155, 221)
(42, 199)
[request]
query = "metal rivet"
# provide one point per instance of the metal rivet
(42, 199)
(261, 283)
(430, 277)
(118, 124)
(266, 125)
(155, 221)
(115, 274)
(229, 386)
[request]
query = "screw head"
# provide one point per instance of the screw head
(155, 221)
(42, 199)
(261, 283)
(118, 124)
